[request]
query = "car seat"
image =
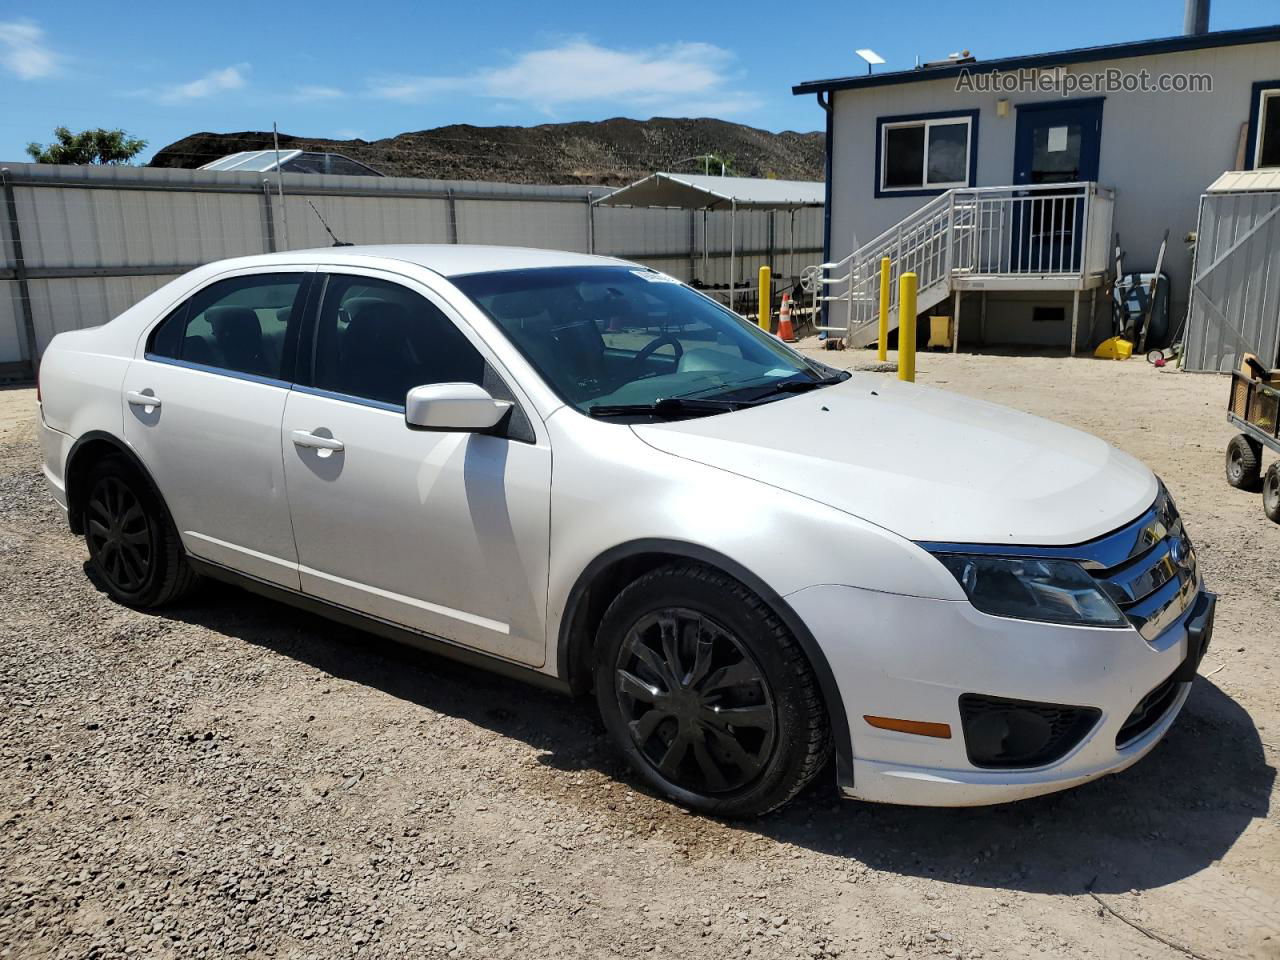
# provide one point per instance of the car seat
(238, 334)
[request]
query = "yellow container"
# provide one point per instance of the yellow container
(1114, 348)
(939, 332)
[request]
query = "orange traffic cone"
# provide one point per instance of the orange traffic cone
(785, 330)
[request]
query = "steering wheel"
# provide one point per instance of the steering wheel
(649, 348)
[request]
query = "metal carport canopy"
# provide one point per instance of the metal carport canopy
(688, 191)
(691, 191)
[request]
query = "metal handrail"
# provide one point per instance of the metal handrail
(1023, 230)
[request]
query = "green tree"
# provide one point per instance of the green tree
(88, 146)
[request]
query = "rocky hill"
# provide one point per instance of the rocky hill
(614, 151)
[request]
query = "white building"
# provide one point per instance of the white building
(1003, 183)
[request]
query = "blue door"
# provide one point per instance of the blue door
(1055, 142)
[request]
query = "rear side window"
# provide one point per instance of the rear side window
(377, 340)
(238, 325)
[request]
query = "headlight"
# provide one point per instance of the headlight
(1027, 588)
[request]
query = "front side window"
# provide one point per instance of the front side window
(377, 340)
(238, 325)
(609, 337)
(925, 154)
(1267, 148)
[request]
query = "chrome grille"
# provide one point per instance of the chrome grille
(1148, 567)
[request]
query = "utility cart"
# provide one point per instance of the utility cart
(1254, 408)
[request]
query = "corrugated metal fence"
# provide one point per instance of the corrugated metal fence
(1235, 290)
(78, 245)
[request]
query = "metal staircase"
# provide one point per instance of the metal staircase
(1041, 237)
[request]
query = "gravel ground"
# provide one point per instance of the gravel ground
(236, 778)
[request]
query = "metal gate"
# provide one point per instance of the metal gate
(1234, 307)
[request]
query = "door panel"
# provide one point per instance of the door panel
(213, 449)
(202, 409)
(446, 533)
(1058, 143)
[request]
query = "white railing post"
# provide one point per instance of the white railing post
(1084, 230)
(951, 235)
(898, 265)
(848, 322)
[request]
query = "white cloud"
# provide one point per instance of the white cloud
(22, 50)
(311, 94)
(215, 81)
(416, 88)
(682, 78)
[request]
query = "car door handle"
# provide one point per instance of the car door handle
(142, 399)
(304, 438)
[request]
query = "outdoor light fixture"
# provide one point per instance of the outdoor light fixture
(869, 55)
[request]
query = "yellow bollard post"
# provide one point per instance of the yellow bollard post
(885, 274)
(907, 327)
(765, 300)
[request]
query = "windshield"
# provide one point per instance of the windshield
(619, 337)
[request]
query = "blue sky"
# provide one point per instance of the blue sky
(373, 69)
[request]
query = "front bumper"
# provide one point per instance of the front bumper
(909, 657)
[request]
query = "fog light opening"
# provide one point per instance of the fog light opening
(1009, 734)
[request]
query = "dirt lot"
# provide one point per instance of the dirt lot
(235, 778)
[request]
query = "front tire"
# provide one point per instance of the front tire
(1271, 493)
(1244, 462)
(134, 549)
(707, 694)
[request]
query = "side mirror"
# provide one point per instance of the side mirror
(463, 407)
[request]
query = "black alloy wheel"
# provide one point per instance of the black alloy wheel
(696, 704)
(707, 693)
(135, 551)
(122, 541)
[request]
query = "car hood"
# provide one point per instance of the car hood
(925, 463)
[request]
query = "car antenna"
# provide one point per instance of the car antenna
(336, 241)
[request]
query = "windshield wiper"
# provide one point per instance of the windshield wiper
(802, 386)
(667, 406)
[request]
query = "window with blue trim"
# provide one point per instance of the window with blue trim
(925, 154)
(1266, 140)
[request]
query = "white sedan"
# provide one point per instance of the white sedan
(579, 471)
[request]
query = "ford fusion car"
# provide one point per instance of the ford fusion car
(577, 470)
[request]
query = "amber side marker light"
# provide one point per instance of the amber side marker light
(919, 727)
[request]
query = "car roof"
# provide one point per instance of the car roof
(446, 259)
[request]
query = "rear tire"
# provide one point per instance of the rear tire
(707, 694)
(1244, 462)
(1271, 493)
(134, 549)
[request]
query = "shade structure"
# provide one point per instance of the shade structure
(688, 191)
(691, 191)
